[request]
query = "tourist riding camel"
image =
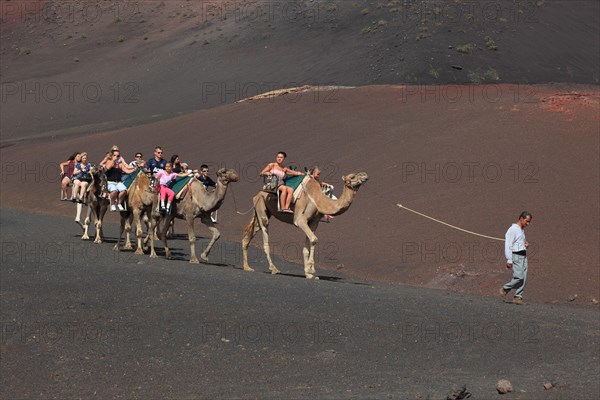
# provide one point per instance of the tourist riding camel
(114, 174)
(66, 174)
(198, 203)
(141, 209)
(277, 172)
(96, 203)
(308, 210)
(81, 178)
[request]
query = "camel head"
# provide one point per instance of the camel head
(98, 183)
(354, 181)
(99, 178)
(225, 176)
(94, 169)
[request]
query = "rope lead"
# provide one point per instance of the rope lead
(451, 226)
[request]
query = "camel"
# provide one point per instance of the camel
(141, 208)
(308, 210)
(97, 205)
(198, 203)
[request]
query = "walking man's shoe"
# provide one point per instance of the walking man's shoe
(518, 300)
(502, 292)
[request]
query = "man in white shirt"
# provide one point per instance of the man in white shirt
(515, 249)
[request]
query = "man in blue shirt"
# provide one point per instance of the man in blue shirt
(157, 163)
(154, 165)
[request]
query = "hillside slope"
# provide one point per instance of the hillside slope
(475, 163)
(86, 66)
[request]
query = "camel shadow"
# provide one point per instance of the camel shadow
(176, 254)
(328, 278)
(92, 235)
(223, 265)
(183, 236)
(180, 254)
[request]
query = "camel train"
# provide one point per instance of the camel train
(143, 211)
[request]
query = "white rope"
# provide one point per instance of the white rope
(451, 226)
(244, 213)
(235, 204)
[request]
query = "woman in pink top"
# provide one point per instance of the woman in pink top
(277, 171)
(165, 178)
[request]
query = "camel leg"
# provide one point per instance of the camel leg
(262, 218)
(98, 238)
(84, 226)
(148, 236)
(311, 242)
(264, 227)
(311, 256)
(78, 215)
(171, 231)
(272, 267)
(156, 232)
(309, 263)
(117, 246)
(151, 234)
(191, 238)
(93, 208)
(306, 253)
(86, 223)
(127, 242)
(162, 233)
(128, 224)
(215, 236)
(99, 210)
(249, 233)
(138, 231)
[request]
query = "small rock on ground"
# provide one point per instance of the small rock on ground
(504, 386)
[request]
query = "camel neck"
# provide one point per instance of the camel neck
(346, 198)
(212, 200)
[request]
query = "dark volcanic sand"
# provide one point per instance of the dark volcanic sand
(86, 322)
(138, 61)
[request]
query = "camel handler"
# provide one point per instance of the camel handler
(115, 168)
(515, 249)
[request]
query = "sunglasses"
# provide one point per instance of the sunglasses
(138, 156)
(204, 170)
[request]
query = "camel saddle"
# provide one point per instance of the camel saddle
(180, 186)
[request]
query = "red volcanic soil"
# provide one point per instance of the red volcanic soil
(472, 156)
